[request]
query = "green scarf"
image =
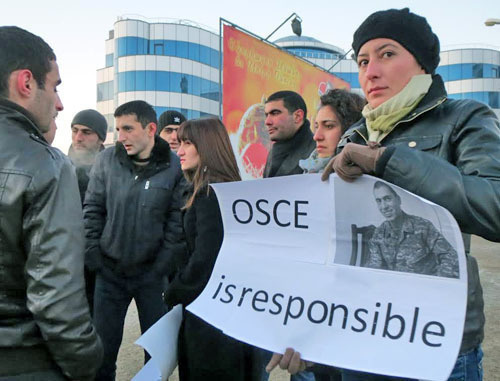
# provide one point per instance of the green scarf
(381, 120)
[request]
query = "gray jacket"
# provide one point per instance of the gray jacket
(44, 316)
(448, 151)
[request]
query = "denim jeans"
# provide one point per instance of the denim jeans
(468, 367)
(113, 294)
(301, 376)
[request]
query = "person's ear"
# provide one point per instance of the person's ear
(151, 129)
(298, 116)
(24, 82)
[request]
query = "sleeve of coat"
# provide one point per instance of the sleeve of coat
(192, 278)
(469, 184)
(173, 250)
(94, 213)
(54, 243)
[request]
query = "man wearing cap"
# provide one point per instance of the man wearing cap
(412, 135)
(88, 132)
(168, 124)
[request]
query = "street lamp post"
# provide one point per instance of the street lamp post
(296, 25)
(491, 22)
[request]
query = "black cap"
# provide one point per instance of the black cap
(93, 120)
(412, 31)
(170, 117)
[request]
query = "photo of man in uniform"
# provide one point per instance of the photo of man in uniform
(408, 243)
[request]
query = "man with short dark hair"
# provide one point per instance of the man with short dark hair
(408, 243)
(45, 327)
(290, 131)
(132, 222)
(168, 124)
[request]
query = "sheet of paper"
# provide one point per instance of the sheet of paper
(160, 341)
(284, 278)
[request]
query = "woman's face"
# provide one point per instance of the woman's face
(327, 131)
(385, 68)
(188, 154)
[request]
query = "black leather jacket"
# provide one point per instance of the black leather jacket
(44, 316)
(448, 151)
(132, 218)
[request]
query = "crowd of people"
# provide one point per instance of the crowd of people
(84, 234)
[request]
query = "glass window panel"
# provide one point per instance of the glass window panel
(109, 60)
(158, 46)
(122, 47)
(129, 81)
(477, 70)
(182, 49)
(494, 99)
(204, 55)
(150, 80)
(454, 72)
(175, 82)
(196, 85)
(121, 82)
(140, 80)
(194, 51)
(214, 58)
(162, 81)
(169, 48)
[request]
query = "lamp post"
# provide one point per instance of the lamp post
(296, 25)
(491, 22)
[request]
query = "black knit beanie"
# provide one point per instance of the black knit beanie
(410, 30)
(170, 117)
(93, 120)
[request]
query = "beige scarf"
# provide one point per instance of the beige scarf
(381, 120)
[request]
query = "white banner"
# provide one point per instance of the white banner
(359, 275)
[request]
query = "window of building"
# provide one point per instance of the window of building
(477, 70)
(109, 60)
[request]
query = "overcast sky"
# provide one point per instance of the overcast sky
(76, 30)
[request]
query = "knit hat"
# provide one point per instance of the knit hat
(93, 120)
(170, 117)
(410, 30)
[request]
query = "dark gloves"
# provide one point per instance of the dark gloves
(353, 161)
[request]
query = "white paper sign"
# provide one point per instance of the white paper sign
(283, 277)
(160, 341)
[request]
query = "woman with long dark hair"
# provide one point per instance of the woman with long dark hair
(205, 353)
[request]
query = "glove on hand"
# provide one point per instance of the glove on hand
(353, 161)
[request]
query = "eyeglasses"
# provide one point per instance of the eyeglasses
(169, 130)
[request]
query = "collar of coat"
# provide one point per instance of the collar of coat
(435, 95)
(23, 116)
(160, 155)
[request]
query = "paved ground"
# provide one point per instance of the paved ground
(487, 253)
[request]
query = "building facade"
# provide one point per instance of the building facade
(170, 65)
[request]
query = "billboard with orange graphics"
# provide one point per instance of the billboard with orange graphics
(253, 70)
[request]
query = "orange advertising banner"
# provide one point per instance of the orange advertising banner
(253, 70)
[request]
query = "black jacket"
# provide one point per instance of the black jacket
(448, 151)
(132, 216)
(44, 316)
(283, 159)
(205, 353)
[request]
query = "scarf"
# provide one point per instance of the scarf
(314, 164)
(380, 121)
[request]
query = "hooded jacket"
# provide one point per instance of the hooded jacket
(448, 151)
(44, 316)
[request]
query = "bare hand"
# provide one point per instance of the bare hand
(290, 361)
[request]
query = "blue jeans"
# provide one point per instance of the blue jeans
(301, 376)
(113, 294)
(468, 367)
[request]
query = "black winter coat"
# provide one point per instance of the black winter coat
(205, 353)
(132, 216)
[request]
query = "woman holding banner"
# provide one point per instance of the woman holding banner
(204, 352)
(413, 136)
